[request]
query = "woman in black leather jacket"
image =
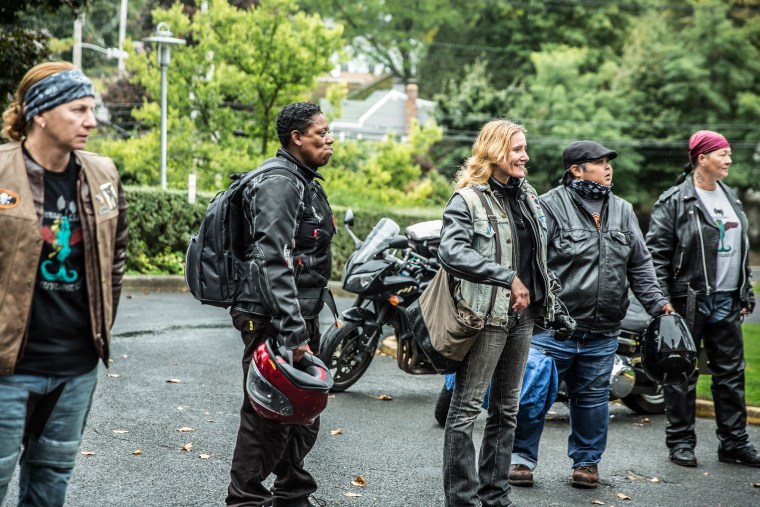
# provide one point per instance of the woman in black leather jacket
(468, 251)
(699, 245)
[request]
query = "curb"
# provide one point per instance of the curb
(705, 408)
(176, 283)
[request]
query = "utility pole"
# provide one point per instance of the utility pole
(76, 56)
(122, 35)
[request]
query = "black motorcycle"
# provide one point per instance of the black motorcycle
(628, 382)
(387, 272)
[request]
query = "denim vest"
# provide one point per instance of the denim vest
(477, 295)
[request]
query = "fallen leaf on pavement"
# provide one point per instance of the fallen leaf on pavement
(173, 381)
(137, 452)
(330, 396)
(180, 408)
(124, 356)
(187, 447)
(204, 456)
(622, 496)
(655, 480)
(359, 481)
(114, 375)
(352, 494)
(597, 502)
(339, 431)
(87, 453)
(755, 484)
(384, 397)
(121, 431)
(706, 474)
(185, 429)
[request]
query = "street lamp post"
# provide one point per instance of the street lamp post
(163, 37)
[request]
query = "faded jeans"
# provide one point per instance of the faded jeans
(585, 363)
(51, 444)
(498, 357)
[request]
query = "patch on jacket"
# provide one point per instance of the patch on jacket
(8, 199)
(108, 198)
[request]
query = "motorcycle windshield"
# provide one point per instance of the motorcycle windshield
(377, 241)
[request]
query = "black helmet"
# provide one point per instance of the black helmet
(668, 352)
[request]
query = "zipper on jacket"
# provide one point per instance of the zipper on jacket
(704, 261)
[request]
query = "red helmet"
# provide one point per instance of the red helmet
(284, 392)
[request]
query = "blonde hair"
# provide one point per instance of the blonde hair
(14, 124)
(489, 150)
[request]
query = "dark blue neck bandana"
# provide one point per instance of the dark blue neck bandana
(55, 90)
(590, 189)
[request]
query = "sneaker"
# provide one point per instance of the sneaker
(520, 475)
(585, 477)
(684, 457)
(750, 458)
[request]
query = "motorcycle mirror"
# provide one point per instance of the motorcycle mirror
(349, 218)
(399, 241)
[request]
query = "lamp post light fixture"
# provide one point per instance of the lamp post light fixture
(163, 37)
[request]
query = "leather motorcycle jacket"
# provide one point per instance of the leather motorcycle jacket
(684, 242)
(597, 266)
(290, 228)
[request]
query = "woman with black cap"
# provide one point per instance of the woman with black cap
(698, 239)
(64, 222)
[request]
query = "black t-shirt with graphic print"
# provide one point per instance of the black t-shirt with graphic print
(60, 338)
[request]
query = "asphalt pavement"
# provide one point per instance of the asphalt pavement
(165, 414)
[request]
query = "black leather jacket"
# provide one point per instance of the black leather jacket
(289, 259)
(684, 242)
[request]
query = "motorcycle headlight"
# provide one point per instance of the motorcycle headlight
(359, 282)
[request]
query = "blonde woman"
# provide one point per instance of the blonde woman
(468, 249)
(64, 222)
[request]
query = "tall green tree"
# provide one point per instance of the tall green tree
(239, 68)
(396, 33)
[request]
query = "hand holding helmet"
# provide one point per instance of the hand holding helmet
(287, 391)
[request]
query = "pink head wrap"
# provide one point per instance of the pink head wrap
(706, 141)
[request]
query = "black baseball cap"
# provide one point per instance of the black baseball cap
(583, 151)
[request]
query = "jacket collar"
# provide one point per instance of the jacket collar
(307, 171)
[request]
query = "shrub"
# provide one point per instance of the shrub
(161, 223)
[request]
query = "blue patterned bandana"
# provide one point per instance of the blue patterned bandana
(55, 90)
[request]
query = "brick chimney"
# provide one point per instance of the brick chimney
(411, 104)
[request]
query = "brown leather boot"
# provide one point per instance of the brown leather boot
(520, 475)
(585, 477)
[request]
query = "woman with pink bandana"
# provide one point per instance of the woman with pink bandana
(698, 240)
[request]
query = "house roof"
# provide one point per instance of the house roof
(382, 112)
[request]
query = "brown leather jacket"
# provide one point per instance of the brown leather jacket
(104, 228)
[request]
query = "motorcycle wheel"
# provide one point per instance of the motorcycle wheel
(442, 405)
(341, 351)
(646, 403)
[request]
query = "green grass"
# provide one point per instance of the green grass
(751, 373)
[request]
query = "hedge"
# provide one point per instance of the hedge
(162, 221)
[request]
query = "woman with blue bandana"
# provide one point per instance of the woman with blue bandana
(64, 222)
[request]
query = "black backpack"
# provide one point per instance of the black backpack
(214, 263)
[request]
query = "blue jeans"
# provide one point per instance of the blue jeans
(585, 363)
(51, 444)
(497, 356)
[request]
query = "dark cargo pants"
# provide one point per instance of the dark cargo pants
(266, 447)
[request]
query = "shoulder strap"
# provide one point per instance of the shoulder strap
(495, 225)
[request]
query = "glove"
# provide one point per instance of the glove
(563, 326)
